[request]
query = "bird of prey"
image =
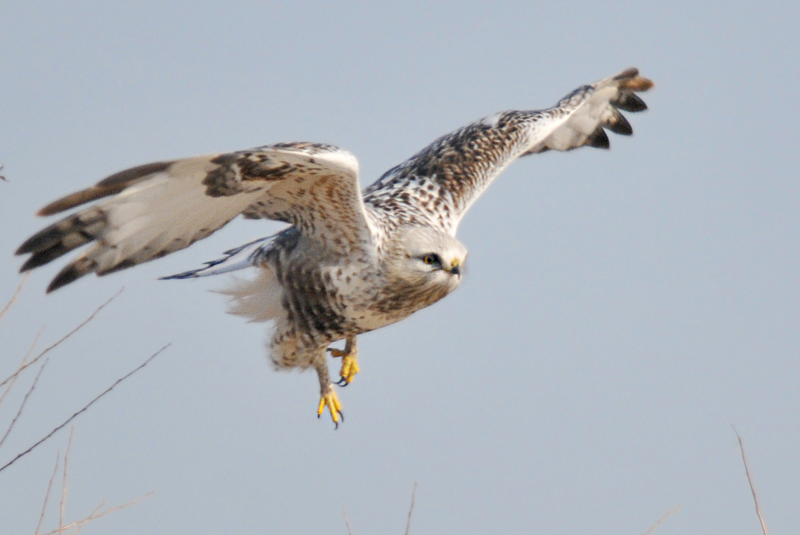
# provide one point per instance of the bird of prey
(350, 261)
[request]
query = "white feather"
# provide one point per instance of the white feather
(258, 299)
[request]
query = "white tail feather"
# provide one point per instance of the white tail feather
(258, 299)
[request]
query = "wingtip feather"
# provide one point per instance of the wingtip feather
(630, 79)
(598, 139)
(67, 275)
(619, 124)
(630, 72)
(74, 199)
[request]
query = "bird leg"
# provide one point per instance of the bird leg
(349, 361)
(328, 397)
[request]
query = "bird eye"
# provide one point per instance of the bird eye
(431, 259)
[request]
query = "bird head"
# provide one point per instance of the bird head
(428, 262)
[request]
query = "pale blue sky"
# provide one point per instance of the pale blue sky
(621, 309)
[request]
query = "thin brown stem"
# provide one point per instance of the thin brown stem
(750, 482)
(64, 481)
(106, 391)
(411, 509)
(662, 519)
(347, 522)
(47, 494)
(78, 524)
(16, 293)
(24, 360)
(94, 512)
(73, 331)
(22, 405)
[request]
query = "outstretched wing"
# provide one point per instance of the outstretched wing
(156, 209)
(439, 184)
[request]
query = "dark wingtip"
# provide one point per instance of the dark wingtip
(33, 262)
(598, 139)
(67, 275)
(179, 276)
(44, 256)
(629, 102)
(632, 72)
(620, 125)
(29, 245)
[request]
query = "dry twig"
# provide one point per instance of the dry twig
(16, 293)
(411, 509)
(78, 524)
(73, 331)
(662, 519)
(106, 391)
(24, 360)
(47, 495)
(750, 481)
(64, 481)
(347, 522)
(22, 405)
(94, 512)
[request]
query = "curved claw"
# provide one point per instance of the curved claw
(331, 400)
(349, 365)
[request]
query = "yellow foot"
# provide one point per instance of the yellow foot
(331, 400)
(349, 365)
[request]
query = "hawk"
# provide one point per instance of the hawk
(351, 261)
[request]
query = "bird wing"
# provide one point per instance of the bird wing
(152, 210)
(440, 183)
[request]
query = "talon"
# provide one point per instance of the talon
(331, 400)
(349, 365)
(349, 368)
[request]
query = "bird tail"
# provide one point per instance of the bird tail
(235, 259)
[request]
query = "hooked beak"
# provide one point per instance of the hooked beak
(455, 267)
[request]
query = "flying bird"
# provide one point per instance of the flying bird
(351, 261)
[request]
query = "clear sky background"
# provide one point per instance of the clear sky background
(620, 311)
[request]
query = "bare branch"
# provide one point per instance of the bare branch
(347, 522)
(73, 331)
(22, 405)
(662, 519)
(94, 512)
(411, 509)
(109, 389)
(24, 360)
(47, 495)
(750, 481)
(64, 481)
(16, 292)
(80, 523)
